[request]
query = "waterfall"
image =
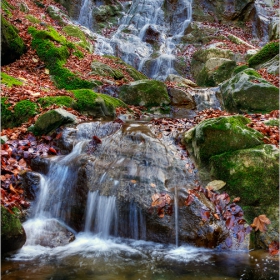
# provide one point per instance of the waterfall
(156, 59)
(176, 217)
(101, 215)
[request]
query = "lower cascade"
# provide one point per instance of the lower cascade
(118, 207)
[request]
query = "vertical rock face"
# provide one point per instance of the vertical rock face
(12, 46)
(135, 184)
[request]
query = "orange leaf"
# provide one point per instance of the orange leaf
(236, 199)
(260, 223)
(12, 189)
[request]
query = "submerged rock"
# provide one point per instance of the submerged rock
(13, 235)
(247, 91)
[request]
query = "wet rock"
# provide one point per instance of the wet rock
(181, 98)
(51, 233)
(146, 93)
(31, 185)
(247, 91)
(13, 235)
(52, 120)
(218, 135)
(12, 46)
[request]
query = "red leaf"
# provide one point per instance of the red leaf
(205, 215)
(189, 200)
(230, 222)
(273, 248)
(52, 151)
(96, 139)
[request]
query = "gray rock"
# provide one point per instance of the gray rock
(181, 98)
(180, 81)
(52, 120)
(272, 66)
(247, 91)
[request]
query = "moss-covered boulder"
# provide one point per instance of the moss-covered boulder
(99, 68)
(271, 66)
(12, 46)
(96, 104)
(146, 93)
(247, 91)
(265, 54)
(13, 235)
(215, 71)
(133, 73)
(66, 101)
(201, 56)
(219, 135)
(22, 111)
(51, 120)
(253, 175)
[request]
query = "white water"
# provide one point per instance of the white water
(129, 41)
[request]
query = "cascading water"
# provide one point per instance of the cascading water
(143, 38)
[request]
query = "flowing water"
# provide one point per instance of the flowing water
(143, 38)
(97, 251)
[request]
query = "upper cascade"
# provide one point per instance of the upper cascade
(147, 35)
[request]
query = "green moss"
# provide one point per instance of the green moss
(148, 93)
(252, 72)
(105, 70)
(39, 4)
(10, 223)
(7, 7)
(12, 46)
(252, 174)
(78, 54)
(74, 31)
(273, 122)
(9, 80)
(6, 115)
(55, 57)
(23, 110)
(239, 69)
(58, 100)
(204, 79)
(265, 54)
(32, 19)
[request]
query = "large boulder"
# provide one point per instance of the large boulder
(52, 120)
(201, 56)
(13, 235)
(181, 97)
(12, 46)
(271, 66)
(140, 199)
(215, 71)
(146, 93)
(180, 81)
(253, 175)
(247, 91)
(219, 135)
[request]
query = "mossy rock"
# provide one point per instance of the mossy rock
(253, 175)
(23, 110)
(248, 92)
(265, 54)
(134, 74)
(146, 93)
(13, 235)
(66, 101)
(96, 104)
(32, 19)
(239, 69)
(9, 80)
(12, 46)
(56, 56)
(51, 120)
(271, 66)
(219, 135)
(99, 68)
(201, 56)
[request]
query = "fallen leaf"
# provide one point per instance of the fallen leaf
(216, 185)
(273, 248)
(152, 185)
(189, 200)
(236, 199)
(133, 181)
(260, 223)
